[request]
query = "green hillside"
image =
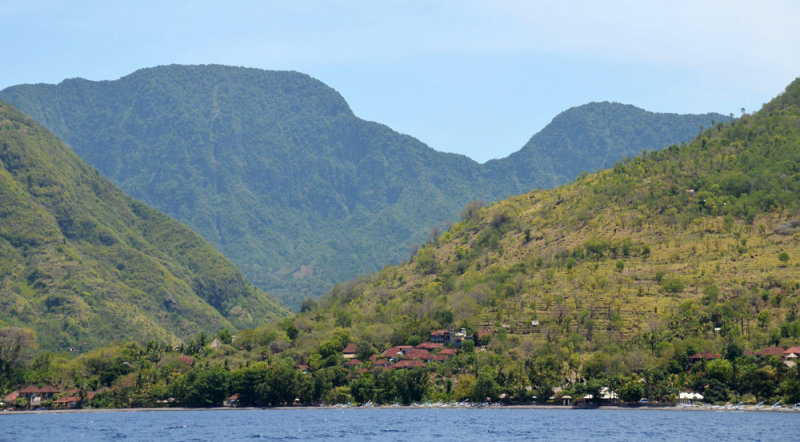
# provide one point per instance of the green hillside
(620, 275)
(275, 170)
(83, 264)
(712, 226)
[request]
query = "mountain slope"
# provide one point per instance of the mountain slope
(693, 248)
(83, 264)
(275, 170)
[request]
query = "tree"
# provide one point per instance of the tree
(631, 391)
(15, 346)
(784, 257)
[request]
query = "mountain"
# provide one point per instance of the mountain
(619, 276)
(83, 264)
(594, 137)
(275, 170)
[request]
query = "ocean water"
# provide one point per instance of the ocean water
(401, 424)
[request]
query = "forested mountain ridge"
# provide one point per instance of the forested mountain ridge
(83, 264)
(275, 170)
(594, 136)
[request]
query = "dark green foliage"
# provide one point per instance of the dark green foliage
(275, 170)
(84, 264)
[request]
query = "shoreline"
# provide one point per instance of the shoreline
(750, 408)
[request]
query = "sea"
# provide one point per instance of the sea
(402, 424)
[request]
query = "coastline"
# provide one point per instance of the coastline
(750, 408)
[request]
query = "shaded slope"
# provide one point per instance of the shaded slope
(83, 264)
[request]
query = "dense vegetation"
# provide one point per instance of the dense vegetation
(83, 264)
(616, 280)
(275, 170)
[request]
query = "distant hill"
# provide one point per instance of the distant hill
(275, 170)
(83, 264)
(594, 136)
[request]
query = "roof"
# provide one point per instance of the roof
(795, 350)
(11, 397)
(352, 363)
(32, 389)
(484, 333)
(233, 397)
(303, 367)
(350, 349)
(418, 353)
(770, 351)
(380, 362)
(408, 364)
(68, 399)
(705, 355)
(447, 351)
(430, 345)
(392, 352)
(440, 332)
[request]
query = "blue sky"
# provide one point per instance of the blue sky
(474, 77)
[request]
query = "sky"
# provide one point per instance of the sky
(473, 77)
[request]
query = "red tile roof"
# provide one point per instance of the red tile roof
(430, 345)
(790, 350)
(705, 355)
(380, 363)
(447, 351)
(393, 352)
(350, 349)
(11, 397)
(440, 358)
(32, 389)
(440, 332)
(770, 351)
(303, 367)
(408, 364)
(418, 353)
(352, 363)
(68, 399)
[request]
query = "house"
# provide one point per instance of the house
(67, 402)
(380, 363)
(769, 351)
(430, 346)
(458, 338)
(414, 363)
(349, 352)
(688, 398)
(702, 356)
(36, 395)
(304, 368)
(792, 352)
(440, 336)
(231, 401)
(448, 352)
(396, 352)
(11, 399)
(352, 363)
(418, 353)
